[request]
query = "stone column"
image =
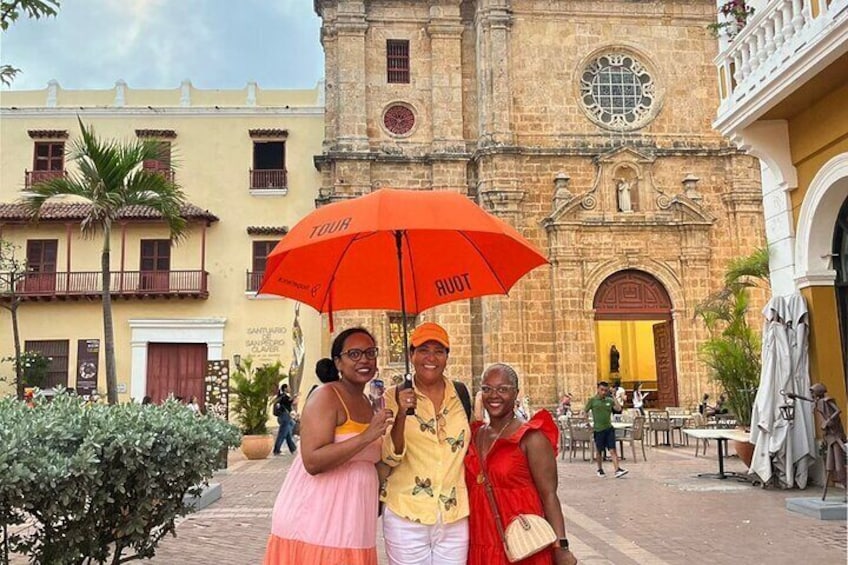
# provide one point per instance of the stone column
(494, 20)
(349, 78)
(445, 31)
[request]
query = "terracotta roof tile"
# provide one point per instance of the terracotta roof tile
(269, 133)
(48, 133)
(79, 210)
(267, 230)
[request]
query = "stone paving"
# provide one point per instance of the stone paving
(659, 514)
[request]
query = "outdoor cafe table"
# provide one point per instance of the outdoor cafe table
(721, 437)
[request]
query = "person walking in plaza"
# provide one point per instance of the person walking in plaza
(425, 520)
(601, 407)
(282, 410)
(326, 510)
(517, 458)
(639, 398)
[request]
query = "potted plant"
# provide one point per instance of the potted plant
(252, 390)
(735, 14)
(732, 351)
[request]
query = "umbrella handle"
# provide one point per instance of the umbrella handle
(407, 383)
(407, 377)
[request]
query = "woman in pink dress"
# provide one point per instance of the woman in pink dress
(326, 511)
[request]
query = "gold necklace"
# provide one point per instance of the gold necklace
(491, 445)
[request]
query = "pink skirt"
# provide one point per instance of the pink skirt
(329, 518)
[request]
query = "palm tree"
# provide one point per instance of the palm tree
(111, 178)
(732, 351)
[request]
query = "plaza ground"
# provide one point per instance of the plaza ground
(659, 514)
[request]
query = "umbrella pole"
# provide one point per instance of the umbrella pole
(407, 376)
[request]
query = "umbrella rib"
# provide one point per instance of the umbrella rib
(335, 269)
(411, 271)
(485, 259)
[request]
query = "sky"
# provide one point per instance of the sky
(157, 43)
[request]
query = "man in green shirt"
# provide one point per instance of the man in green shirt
(601, 406)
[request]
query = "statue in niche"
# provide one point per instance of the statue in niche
(624, 203)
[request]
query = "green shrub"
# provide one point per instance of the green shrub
(101, 483)
(253, 391)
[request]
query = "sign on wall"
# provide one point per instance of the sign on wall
(88, 364)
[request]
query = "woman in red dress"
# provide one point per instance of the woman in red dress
(520, 459)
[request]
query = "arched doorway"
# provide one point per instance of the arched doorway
(633, 312)
(840, 264)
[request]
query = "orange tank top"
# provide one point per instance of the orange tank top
(349, 426)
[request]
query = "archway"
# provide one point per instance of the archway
(633, 312)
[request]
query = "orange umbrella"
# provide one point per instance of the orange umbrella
(393, 249)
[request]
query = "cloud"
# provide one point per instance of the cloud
(157, 43)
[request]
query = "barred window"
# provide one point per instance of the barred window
(397, 60)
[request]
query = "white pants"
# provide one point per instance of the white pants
(408, 543)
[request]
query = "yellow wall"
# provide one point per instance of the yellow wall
(213, 157)
(826, 363)
(817, 134)
(635, 342)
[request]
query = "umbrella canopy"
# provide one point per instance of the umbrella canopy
(783, 448)
(346, 255)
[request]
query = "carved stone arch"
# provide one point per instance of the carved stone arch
(631, 294)
(666, 277)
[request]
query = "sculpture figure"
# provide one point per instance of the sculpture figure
(615, 358)
(834, 434)
(624, 203)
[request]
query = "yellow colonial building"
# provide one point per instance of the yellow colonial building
(784, 98)
(245, 161)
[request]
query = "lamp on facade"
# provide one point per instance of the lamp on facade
(787, 410)
(237, 360)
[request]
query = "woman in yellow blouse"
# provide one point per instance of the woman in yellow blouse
(426, 514)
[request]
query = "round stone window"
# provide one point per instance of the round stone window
(398, 119)
(617, 92)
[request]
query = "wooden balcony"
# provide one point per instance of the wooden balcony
(32, 178)
(273, 179)
(126, 284)
(254, 280)
(168, 173)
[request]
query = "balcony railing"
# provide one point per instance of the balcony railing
(782, 35)
(167, 173)
(125, 284)
(33, 178)
(274, 179)
(254, 280)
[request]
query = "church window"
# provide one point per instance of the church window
(397, 60)
(399, 119)
(618, 92)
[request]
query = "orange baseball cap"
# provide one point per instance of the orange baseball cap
(429, 331)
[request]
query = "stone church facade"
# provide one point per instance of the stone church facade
(583, 123)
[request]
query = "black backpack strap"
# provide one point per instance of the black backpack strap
(464, 397)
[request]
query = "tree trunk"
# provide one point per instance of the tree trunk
(19, 371)
(108, 329)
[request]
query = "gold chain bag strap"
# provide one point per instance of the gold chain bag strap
(527, 534)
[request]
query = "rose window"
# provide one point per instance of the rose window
(618, 92)
(399, 119)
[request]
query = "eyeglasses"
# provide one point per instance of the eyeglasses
(356, 354)
(501, 390)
